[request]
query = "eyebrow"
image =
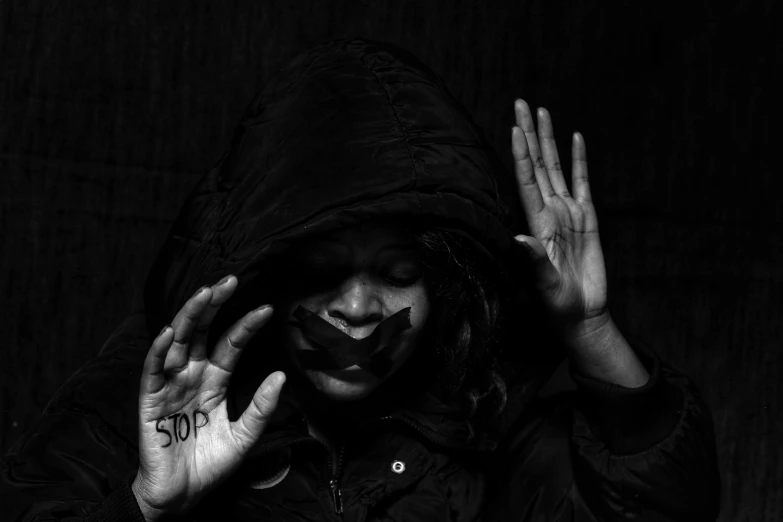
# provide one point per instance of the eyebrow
(398, 244)
(404, 246)
(324, 242)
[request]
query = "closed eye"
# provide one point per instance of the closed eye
(403, 276)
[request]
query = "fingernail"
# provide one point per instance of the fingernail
(262, 307)
(224, 280)
(164, 330)
(199, 291)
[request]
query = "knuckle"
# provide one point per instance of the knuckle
(522, 153)
(573, 206)
(529, 181)
(192, 312)
(578, 217)
(263, 403)
(242, 436)
(202, 329)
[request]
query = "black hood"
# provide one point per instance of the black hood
(348, 131)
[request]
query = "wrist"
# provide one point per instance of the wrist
(591, 332)
(151, 513)
(597, 349)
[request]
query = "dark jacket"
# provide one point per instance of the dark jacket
(352, 130)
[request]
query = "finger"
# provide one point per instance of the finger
(527, 185)
(230, 345)
(580, 181)
(152, 377)
(549, 152)
(249, 427)
(525, 122)
(184, 324)
(221, 292)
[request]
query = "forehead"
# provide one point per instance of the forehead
(364, 236)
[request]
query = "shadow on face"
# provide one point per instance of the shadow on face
(355, 278)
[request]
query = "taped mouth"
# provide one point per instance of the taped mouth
(336, 350)
(341, 357)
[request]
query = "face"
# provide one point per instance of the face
(354, 279)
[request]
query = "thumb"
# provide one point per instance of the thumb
(545, 271)
(533, 246)
(253, 421)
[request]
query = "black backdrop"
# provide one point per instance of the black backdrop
(110, 111)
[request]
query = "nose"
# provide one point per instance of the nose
(357, 302)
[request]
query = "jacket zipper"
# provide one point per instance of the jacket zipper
(334, 474)
(334, 471)
(334, 480)
(334, 485)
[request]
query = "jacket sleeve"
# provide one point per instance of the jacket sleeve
(610, 453)
(77, 461)
(65, 471)
(119, 506)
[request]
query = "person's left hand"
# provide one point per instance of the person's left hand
(566, 252)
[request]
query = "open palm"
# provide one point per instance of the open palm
(565, 247)
(187, 445)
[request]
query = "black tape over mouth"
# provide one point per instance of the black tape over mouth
(337, 350)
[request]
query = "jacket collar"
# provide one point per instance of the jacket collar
(418, 408)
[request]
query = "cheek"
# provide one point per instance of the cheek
(419, 315)
(290, 335)
(285, 309)
(311, 302)
(420, 311)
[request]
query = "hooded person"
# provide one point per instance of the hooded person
(361, 201)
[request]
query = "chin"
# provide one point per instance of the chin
(338, 386)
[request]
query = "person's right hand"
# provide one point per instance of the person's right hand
(187, 445)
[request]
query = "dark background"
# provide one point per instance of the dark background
(110, 113)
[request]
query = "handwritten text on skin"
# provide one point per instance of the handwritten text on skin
(180, 426)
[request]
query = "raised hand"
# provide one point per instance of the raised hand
(565, 248)
(187, 445)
